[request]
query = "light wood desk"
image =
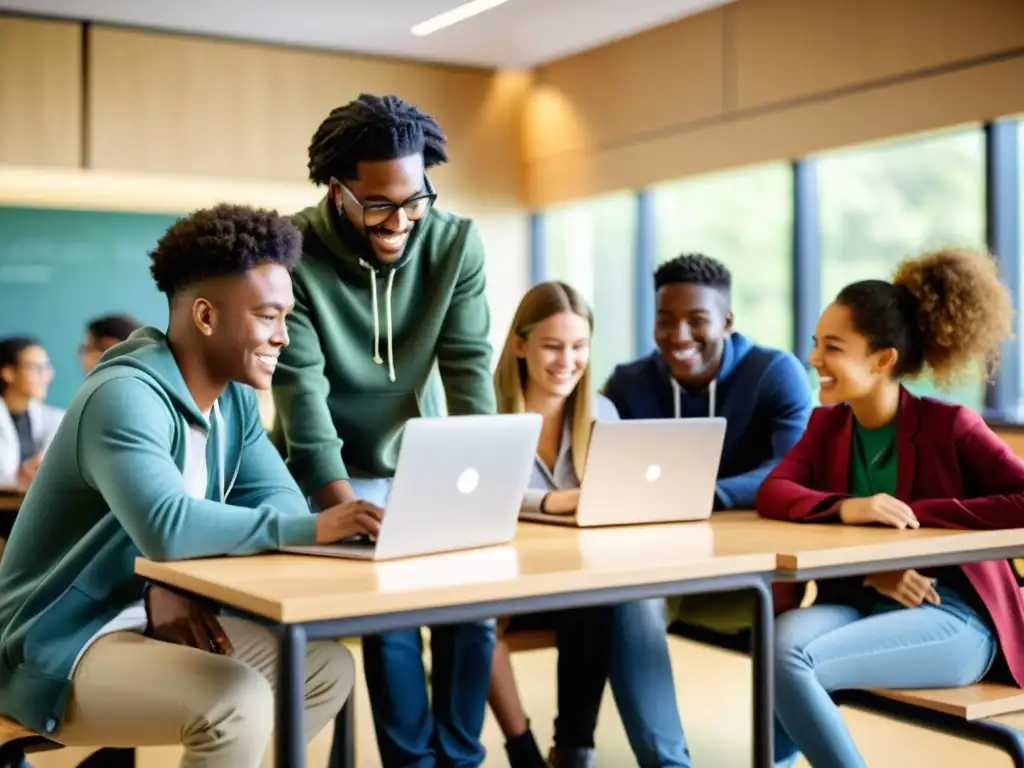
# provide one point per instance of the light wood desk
(10, 503)
(828, 550)
(545, 568)
(10, 499)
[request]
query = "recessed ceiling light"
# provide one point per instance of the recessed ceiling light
(454, 16)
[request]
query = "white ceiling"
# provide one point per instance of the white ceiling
(518, 34)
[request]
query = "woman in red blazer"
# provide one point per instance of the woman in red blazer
(875, 454)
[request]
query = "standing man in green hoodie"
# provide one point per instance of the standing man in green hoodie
(162, 455)
(387, 286)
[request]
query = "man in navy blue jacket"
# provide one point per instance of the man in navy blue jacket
(701, 367)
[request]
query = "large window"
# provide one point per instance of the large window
(883, 203)
(1020, 234)
(744, 219)
(591, 245)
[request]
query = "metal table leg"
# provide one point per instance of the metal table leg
(762, 656)
(290, 746)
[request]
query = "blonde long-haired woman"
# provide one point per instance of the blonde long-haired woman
(545, 368)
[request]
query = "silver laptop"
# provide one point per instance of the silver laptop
(458, 484)
(647, 471)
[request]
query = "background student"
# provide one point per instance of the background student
(875, 454)
(88, 654)
(27, 423)
(101, 334)
(545, 368)
(703, 367)
(387, 286)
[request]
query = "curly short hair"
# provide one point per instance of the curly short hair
(221, 241)
(693, 269)
(946, 311)
(370, 129)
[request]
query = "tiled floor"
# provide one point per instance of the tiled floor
(714, 700)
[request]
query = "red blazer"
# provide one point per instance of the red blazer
(951, 469)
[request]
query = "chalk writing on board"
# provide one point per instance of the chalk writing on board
(26, 273)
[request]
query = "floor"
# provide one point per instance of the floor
(714, 704)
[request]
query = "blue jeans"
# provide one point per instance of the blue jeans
(413, 731)
(640, 672)
(827, 648)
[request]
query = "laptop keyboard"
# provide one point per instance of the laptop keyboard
(360, 540)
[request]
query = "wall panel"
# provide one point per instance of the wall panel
(40, 92)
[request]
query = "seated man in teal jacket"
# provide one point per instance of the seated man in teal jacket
(162, 455)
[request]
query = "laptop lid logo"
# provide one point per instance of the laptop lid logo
(653, 473)
(468, 481)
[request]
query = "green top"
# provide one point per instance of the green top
(873, 460)
(363, 344)
(110, 490)
(873, 463)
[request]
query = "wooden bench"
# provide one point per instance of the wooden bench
(974, 702)
(529, 640)
(989, 713)
(16, 741)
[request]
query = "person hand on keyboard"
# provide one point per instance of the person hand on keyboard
(343, 521)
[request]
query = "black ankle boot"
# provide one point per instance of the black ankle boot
(523, 751)
(572, 757)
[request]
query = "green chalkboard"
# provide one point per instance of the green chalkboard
(59, 269)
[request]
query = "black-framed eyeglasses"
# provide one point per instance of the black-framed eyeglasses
(375, 214)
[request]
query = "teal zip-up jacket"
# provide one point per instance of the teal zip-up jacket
(364, 341)
(109, 490)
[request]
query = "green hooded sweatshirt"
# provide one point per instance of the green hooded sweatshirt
(364, 337)
(110, 490)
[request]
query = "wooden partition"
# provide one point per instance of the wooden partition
(762, 80)
(40, 92)
(165, 103)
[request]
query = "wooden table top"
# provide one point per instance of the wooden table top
(541, 560)
(806, 546)
(549, 559)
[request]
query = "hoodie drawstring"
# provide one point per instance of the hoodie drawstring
(677, 393)
(219, 427)
(376, 318)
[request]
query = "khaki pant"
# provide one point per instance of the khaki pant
(723, 612)
(729, 613)
(131, 691)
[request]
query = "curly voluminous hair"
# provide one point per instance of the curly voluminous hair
(371, 129)
(693, 269)
(221, 241)
(946, 311)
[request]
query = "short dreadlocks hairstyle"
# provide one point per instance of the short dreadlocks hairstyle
(222, 241)
(371, 129)
(694, 269)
